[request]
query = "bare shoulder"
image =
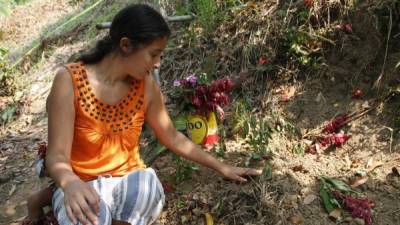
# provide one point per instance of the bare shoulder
(62, 77)
(62, 87)
(152, 89)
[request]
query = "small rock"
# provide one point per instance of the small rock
(5, 177)
(10, 210)
(308, 199)
(296, 219)
(196, 211)
(371, 186)
(359, 221)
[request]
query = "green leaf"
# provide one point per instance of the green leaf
(8, 113)
(298, 150)
(246, 129)
(180, 123)
(397, 65)
(326, 199)
(255, 156)
(267, 172)
(253, 121)
(338, 184)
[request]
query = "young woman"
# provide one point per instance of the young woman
(96, 109)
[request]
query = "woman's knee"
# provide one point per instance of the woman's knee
(104, 217)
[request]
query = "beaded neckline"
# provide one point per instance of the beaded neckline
(118, 116)
(120, 102)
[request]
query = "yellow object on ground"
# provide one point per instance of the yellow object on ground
(209, 219)
(203, 130)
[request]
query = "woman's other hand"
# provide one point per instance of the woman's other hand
(238, 173)
(82, 202)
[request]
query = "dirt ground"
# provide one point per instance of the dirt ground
(280, 200)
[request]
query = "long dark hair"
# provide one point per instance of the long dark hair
(139, 22)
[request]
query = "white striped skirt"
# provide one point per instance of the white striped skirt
(136, 198)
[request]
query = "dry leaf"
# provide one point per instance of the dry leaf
(299, 168)
(308, 199)
(374, 166)
(288, 93)
(359, 181)
(167, 187)
(320, 97)
(369, 163)
(335, 214)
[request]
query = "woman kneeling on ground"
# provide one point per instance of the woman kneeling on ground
(96, 109)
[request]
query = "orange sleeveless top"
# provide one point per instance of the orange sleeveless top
(106, 137)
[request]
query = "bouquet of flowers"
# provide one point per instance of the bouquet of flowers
(199, 98)
(198, 94)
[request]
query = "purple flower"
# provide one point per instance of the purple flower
(192, 79)
(177, 83)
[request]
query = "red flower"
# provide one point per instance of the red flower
(42, 148)
(201, 90)
(336, 140)
(312, 150)
(228, 84)
(348, 27)
(262, 60)
(308, 3)
(184, 83)
(357, 93)
(358, 208)
(196, 101)
(334, 125)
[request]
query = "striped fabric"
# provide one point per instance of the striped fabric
(136, 198)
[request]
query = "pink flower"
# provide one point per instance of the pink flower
(192, 79)
(177, 83)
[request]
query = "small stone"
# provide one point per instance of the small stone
(296, 219)
(359, 221)
(5, 177)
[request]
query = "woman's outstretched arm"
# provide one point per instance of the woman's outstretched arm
(158, 119)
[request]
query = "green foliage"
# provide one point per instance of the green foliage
(241, 110)
(75, 2)
(11, 109)
(257, 133)
(298, 150)
(295, 41)
(267, 172)
(4, 7)
(183, 9)
(207, 14)
(20, 2)
(6, 78)
(283, 126)
(184, 169)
